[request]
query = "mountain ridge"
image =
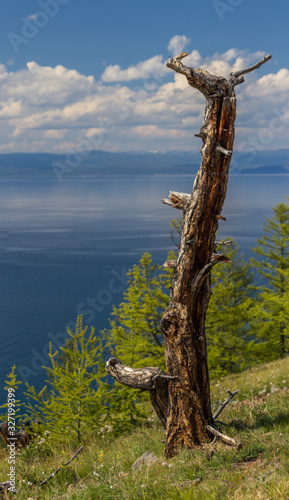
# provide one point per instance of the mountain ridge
(98, 163)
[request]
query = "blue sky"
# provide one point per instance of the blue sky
(92, 74)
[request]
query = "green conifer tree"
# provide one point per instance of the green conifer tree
(228, 330)
(12, 383)
(270, 313)
(134, 335)
(72, 405)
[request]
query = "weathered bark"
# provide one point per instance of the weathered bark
(187, 397)
(153, 380)
(183, 324)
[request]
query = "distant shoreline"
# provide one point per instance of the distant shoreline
(129, 176)
(98, 164)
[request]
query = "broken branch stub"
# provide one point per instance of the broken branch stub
(150, 379)
(137, 378)
(177, 200)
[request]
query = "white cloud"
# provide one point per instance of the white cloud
(232, 60)
(271, 84)
(177, 44)
(54, 109)
(10, 108)
(151, 68)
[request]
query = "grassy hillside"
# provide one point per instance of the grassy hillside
(259, 418)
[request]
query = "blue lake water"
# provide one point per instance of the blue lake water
(65, 249)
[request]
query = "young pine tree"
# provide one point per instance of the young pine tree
(134, 335)
(273, 267)
(12, 383)
(228, 331)
(71, 406)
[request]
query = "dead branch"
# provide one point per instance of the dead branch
(4, 487)
(170, 263)
(226, 152)
(209, 85)
(224, 243)
(218, 257)
(221, 217)
(257, 65)
(237, 77)
(177, 200)
(225, 403)
(137, 378)
(174, 240)
(226, 439)
(197, 283)
(150, 379)
(59, 468)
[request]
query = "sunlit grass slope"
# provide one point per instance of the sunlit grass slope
(259, 418)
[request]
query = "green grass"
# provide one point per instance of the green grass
(258, 417)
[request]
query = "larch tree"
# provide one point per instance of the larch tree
(271, 311)
(135, 335)
(228, 326)
(74, 404)
(181, 397)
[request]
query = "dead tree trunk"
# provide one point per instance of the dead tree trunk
(182, 401)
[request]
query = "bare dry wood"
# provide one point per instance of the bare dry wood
(224, 243)
(177, 200)
(225, 403)
(242, 72)
(226, 439)
(186, 407)
(59, 468)
(4, 487)
(170, 263)
(137, 378)
(223, 150)
(153, 380)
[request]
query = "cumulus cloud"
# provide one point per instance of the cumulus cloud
(54, 109)
(153, 67)
(177, 44)
(231, 60)
(271, 84)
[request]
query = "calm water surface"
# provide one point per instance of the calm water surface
(65, 249)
